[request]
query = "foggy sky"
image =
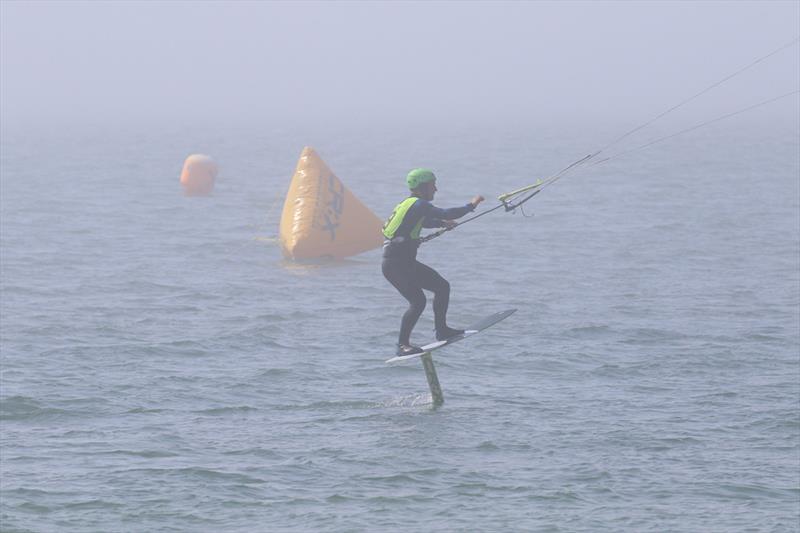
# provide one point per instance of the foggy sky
(84, 61)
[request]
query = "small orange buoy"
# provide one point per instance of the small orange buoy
(198, 175)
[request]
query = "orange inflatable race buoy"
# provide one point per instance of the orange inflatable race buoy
(198, 175)
(323, 219)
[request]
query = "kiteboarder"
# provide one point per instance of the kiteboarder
(400, 266)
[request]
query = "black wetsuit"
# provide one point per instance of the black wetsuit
(409, 276)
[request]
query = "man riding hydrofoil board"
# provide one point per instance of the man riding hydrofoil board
(400, 266)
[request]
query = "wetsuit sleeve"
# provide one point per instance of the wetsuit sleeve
(433, 223)
(435, 216)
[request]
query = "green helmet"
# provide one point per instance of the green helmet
(418, 176)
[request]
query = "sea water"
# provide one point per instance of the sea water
(164, 369)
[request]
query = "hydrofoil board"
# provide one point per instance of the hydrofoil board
(477, 327)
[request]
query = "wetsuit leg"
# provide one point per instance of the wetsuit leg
(402, 275)
(430, 280)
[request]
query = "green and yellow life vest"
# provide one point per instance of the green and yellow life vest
(399, 213)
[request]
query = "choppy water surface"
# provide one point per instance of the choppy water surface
(164, 369)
